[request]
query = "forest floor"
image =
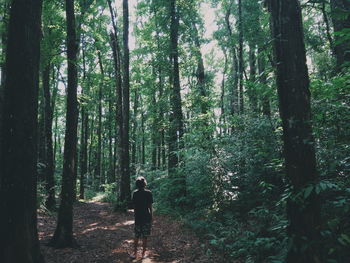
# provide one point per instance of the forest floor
(105, 236)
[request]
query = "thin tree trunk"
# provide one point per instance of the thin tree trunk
(55, 114)
(143, 140)
(134, 131)
(119, 101)
(200, 73)
(18, 136)
(266, 108)
(125, 191)
(222, 98)
(111, 172)
(154, 131)
(63, 236)
(234, 68)
(341, 21)
(176, 129)
(90, 152)
(294, 102)
(99, 127)
(49, 170)
(328, 30)
(84, 132)
(252, 78)
(240, 57)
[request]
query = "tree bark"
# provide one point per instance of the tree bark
(294, 104)
(111, 169)
(234, 67)
(134, 131)
(240, 57)
(98, 169)
(125, 191)
(252, 78)
(84, 132)
(48, 118)
(265, 101)
(176, 129)
(63, 236)
(222, 97)
(18, 136)
(328, 30)
(119, 100)
(341, 21)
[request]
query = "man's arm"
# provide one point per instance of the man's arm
(151, 211)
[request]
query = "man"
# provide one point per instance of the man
(142, 200)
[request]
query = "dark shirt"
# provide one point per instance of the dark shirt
(142, 200)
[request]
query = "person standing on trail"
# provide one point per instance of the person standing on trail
(142, 200)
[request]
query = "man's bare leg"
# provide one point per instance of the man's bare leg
(136, 242)
(144, 246)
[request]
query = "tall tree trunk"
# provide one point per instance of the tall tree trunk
(134, 131)
(328, 30)
(234, 67)
(83, 151)
(154, 131)
(119, 106)
(18, 136)
(143, 139)
(119, 94)
(222, 98)
(49, 170)
(161, 99)
(252, 77)
(240, 57)
(341, 21)
(54, 114)
(84, 131)
(63, 236)
(41, 138)
(266, 108)
(111, 169)
(90, 152)
(176, 129)
(125, 191)
(294, 103)
(99, 127)
(200, 73)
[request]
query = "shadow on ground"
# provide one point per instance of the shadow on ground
(105, 236)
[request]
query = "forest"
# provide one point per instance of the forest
(237, 112)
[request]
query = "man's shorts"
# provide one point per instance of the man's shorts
(142, 231)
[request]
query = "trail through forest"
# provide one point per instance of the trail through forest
(105, 236)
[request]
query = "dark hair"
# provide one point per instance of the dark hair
(140, 182)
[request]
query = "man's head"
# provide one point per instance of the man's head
(140, 182)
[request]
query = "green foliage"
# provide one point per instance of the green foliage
(108, 195)
(233, 189)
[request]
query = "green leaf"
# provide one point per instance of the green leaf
(308, 191)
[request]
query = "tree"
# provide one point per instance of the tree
(125, 193)
(18, 151)
(240, 57)
(63, 236)
(294, 104)
(341, 24)
(176, 129)
(49, 170)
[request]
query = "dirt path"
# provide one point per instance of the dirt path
(105, 236)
